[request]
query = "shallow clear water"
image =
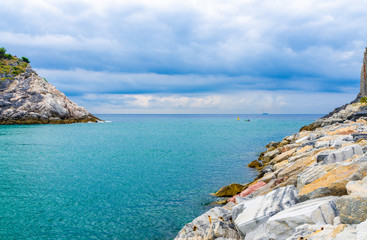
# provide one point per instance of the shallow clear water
(136, 177)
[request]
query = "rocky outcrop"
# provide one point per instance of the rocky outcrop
(29, 99)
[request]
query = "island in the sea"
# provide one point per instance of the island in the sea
(311, 185)
(26, 98)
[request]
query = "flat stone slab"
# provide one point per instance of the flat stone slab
(281, 225)
(340, 154)
(334, 182)
(249, 214)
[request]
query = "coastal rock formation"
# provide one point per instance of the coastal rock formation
(311, 185)
(26, 98)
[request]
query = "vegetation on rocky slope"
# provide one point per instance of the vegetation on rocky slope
(11, 66)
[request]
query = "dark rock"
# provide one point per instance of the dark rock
(254, 164)
(230, 190)
(357, 136)
(353, 209)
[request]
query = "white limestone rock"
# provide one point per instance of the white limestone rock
(362, 231)
(357, 188)
(340, 154)
(281, 225)
(215, 224)
(249, 214)
(313, 173)
(323, 232)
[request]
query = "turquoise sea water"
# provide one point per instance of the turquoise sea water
(135, 177)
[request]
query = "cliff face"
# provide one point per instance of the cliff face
(363, 92)
(26, 98)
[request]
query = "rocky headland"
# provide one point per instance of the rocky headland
(311, 185)
(26, 98)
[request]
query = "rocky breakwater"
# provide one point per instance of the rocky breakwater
(26, 98)
(311, 185)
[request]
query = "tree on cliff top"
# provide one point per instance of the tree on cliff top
(2, 52)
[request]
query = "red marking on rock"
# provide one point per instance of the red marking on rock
(248, 191)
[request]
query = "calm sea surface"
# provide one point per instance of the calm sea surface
(135, 177)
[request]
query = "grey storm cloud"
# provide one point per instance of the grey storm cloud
(183, 47)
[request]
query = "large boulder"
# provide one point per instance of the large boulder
(215, 224)
(283, 156)
(334, 182)
(340, 155)
(249, 214)
(315, 211)
(357, 188)
(313, 173)
(353, 209)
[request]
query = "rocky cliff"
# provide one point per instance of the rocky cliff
(311, 185)
(26, 98)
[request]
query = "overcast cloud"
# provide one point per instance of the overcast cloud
(235, 56)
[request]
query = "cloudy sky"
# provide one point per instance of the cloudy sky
(203, 56)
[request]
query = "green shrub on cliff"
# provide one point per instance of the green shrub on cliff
(2, 52)
(11, 66)
(363, 100)
(4, 55)
(25, 59)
